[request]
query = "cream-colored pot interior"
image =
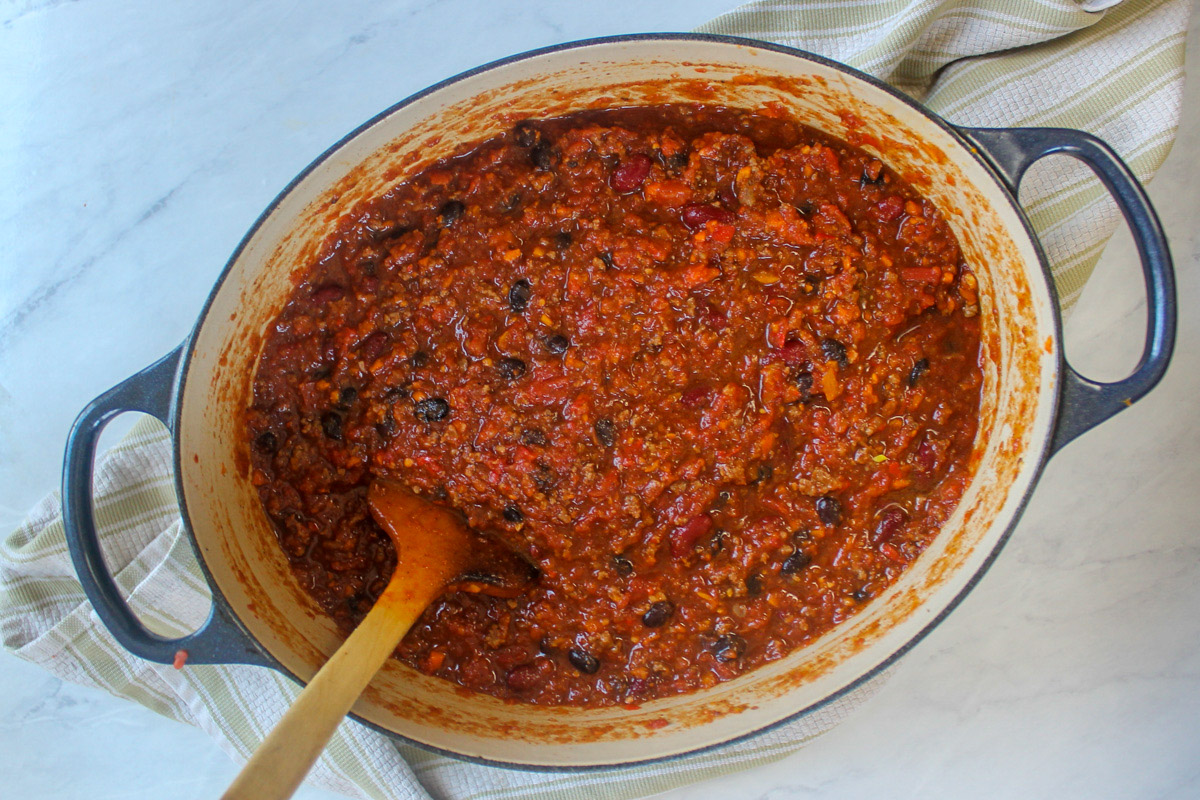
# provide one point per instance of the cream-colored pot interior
(248, 568)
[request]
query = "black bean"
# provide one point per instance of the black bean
(658, 614)
(804, 382)
(562, 240)
(606, 431)
(918, 369)
(607, 258)
(542, 156)
(266, 442)
(432, 409)
(583, 661)
(623, 566)
(829, 510)
(380, 228)
(451, 212)
(729, 647)
(512, 203)
(513, 514)
(861, 594)
(526, 135)
(511, 368)
(806, 208)
(557, 344)
(833, 350)
(331, 423)
(543, 476)
(346, 396)
(395, 393)
(546, 647)
(717, 543)
(763, 472)
(518, 296)
(677, 160)
(755, 584)
(795, 562)
(418, 359)
(534, 437)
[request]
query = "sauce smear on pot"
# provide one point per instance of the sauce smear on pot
(715, 373)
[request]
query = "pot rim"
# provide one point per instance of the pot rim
(1042, 456)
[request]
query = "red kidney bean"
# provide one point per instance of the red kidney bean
(926, 457)
(793, 352)
(708, 313)
(327, 293)
(695, 397)
(631, 174)
(695, 215)
(888, 209)
(523, 678)
(373, 346)
(891, 521)
(684, 538)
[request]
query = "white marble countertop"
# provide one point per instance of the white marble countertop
(139, 140)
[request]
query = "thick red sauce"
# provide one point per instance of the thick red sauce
(716, 373)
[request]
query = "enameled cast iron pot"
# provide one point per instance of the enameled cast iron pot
(1033, 402)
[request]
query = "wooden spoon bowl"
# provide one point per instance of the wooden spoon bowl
(435, 550)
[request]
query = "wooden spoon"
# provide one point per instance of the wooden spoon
(433, 548)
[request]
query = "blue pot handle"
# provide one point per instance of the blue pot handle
(1085, 403)
(221, 639)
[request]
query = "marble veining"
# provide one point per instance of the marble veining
(142, 139)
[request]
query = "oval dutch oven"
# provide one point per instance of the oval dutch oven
(1033, 401)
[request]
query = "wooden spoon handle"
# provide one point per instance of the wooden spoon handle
(280, 763)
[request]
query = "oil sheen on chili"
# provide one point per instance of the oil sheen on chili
(717, 374)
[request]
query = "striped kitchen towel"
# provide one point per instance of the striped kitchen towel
(1115, 72)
